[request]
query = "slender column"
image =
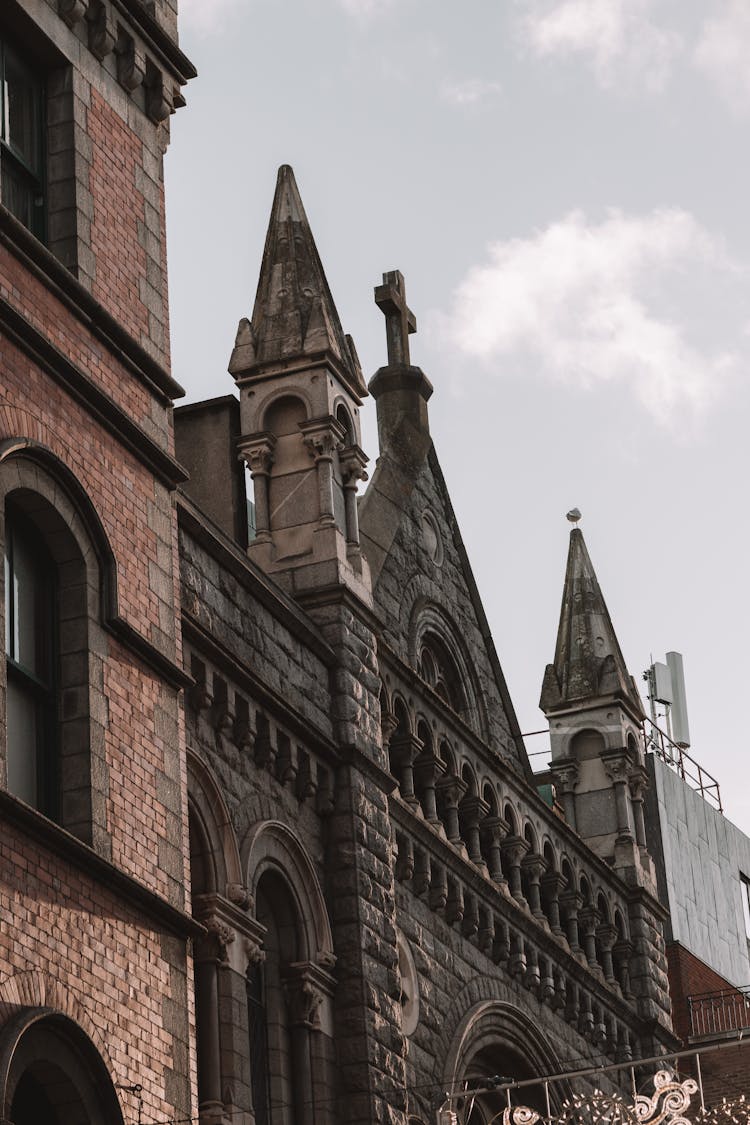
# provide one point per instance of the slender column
(352, 461)
(428, 768)
(533, 865)
(451, 790)
(305, 992)
(323, 436)
(607, 936)
(589, 918)
(494, 829)
(210, 952)
(258, 454)
(572, 901)
(552, 884)
(638, 780)
(622, 951)
(565, 774)
(515, 848)
(471, 811)
(618, 764)
(404, 749)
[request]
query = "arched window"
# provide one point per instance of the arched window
(437, 668)
(31, 647)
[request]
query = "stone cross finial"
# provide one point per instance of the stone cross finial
(400, 321)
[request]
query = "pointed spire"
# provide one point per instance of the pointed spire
(294, 315)
(588, 660)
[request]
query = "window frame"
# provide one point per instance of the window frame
(33, 179)
(43, 692)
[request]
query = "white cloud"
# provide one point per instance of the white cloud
(366, 9)
(614, 302)
(469, 92)
(723, 53)
(618, 38)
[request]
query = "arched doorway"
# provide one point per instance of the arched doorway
(52, 1073)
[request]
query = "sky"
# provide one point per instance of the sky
(564, 185)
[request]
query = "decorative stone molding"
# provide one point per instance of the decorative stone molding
(131, 61)
(307, 985)
(72, 10)
(102, 31)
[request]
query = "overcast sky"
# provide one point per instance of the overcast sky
(565, 186)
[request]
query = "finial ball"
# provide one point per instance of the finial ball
(573, 515)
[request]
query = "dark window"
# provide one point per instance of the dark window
(437, 669)
(745, 888)
(256, 1010)
(21, 140)
(30, 649)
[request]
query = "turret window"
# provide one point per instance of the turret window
(21, 140)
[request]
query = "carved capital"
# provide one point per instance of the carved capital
(494, 829)
(221, 936)
(258, 453)
(322, 436)
(617, 764)
(451, 789)
(388, 726)
(515, 847)
(473, 810)
(405, 749)
(638, 781)
(534, 865)
(565, 772)
(606, 935)
(306, 985)
(352, 462)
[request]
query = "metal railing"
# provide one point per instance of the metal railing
(659, 743)
(713, 1013)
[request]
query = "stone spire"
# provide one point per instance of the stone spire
(588, 661)
(294, 318)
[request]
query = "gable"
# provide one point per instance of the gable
(424, 588)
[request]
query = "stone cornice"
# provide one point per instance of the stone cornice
(37, 259)
(238, 673)
(157, 39)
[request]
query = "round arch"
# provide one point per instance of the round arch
(272, 846)
(498, 1035)
(51, 1070)
(222, 855)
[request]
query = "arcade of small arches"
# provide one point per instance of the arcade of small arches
(487, 828)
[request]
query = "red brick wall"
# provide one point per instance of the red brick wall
(725, 1072)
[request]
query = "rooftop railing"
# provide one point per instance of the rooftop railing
(659, 743)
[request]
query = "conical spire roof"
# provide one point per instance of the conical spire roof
(294, 315)
(588, 660)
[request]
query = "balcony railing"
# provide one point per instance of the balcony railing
(659, 743)
(713, 1013)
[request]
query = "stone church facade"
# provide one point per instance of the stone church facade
(273, 851)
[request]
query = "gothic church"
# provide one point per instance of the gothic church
(273, 853)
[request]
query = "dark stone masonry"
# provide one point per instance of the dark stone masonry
(273, 852)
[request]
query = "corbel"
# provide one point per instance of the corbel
(102, 33)
(159, 98)
(131, 62)
(72, 10)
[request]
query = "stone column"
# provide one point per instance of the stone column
(638, 781)
(622, 952)
(305, 985)
(209, 953)
(428, 769)
(471, 811)
(404, 749)
(617, 764)
(515, 848)
(572, 901)
(352, 461)
(589, 920)
(258, 453)
(323, 436)
(565, 774)
(533, 865)
(552, 884)
(607, 936)
(451, 790)
(494, 829)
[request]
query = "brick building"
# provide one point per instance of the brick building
(273, 849)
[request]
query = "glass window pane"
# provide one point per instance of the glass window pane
(7, 601)
(23, 742)
(745, 888)
(21, 196)
(22, 112)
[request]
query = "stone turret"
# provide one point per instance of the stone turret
(595, 718)
(596, 736)
(301, 389)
